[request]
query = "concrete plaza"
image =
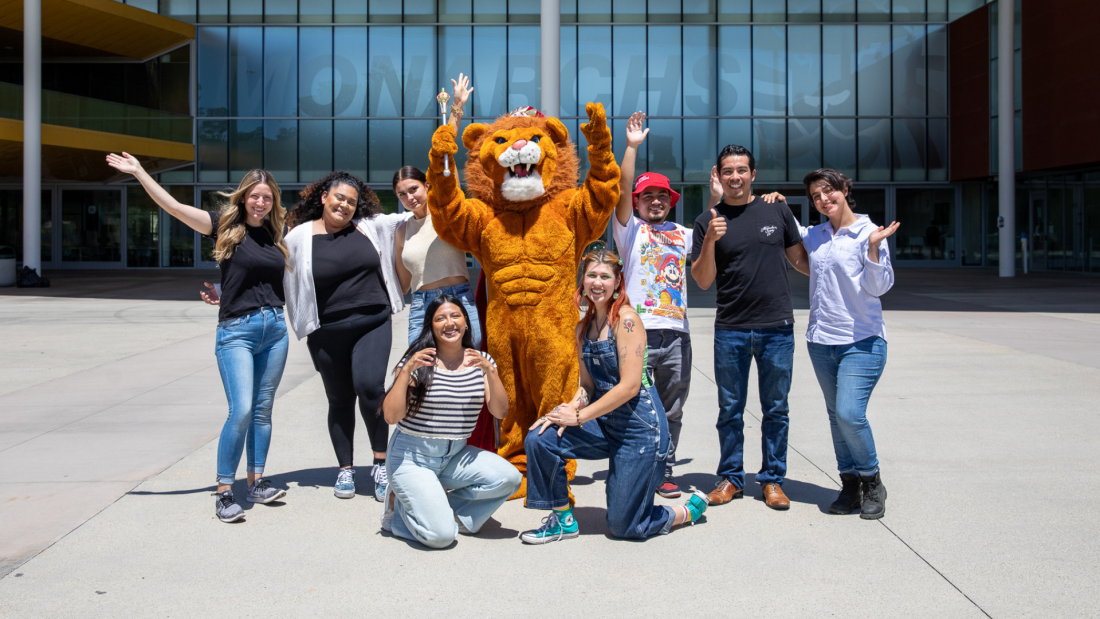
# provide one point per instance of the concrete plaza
(985, 420)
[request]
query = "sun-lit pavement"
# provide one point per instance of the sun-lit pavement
(110, 405)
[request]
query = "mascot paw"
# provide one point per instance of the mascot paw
(443, 143)
(595, 130)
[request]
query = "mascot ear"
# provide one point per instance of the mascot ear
(558, 132)
(472, 134)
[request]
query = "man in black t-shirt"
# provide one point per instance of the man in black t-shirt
(743, 245)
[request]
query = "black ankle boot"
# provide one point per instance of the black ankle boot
(850, 495)
(874, 497)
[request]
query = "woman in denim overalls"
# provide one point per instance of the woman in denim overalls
(625, 422)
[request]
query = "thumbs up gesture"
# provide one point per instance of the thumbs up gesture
(717, 227)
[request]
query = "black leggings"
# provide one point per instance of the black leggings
(351, 350)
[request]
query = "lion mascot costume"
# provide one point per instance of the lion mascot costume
(527, 226)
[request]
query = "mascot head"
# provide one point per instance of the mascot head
(520, 161)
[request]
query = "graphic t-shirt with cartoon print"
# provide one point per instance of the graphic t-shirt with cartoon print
(655, 266)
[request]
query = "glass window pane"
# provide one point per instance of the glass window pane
(349, 68)
(246, 63)
(186, 174)
(700, 57)
(628, 11)
(937, 10)
(873, 10)
(665, 63)
(418, 11)
(909, 10)
(928, 232)
(667, 11)
(315, 12)
(213, 151)
(314, 149)
(618, 128)
(524, 66)
(11, 222)
(211, 201)
(385, 76)
(178, 246)
(873, 74)
(490, 11)
(593, 68)
(699, 10)
(213, 71)
(417, 140)
(350, 146)
(872, 203)
(700, 148)
(803, 10)
(738, 11)
(246, 11)
(874, 149)
(731, 131)
(281, 11)
(594, 11)
(839, 70)
(958, 8)
(909, 146)
(567, 103)
(419, 72)
(937, 149)
(769, 71)
(456, 11)
(213, 11)
(183, 10)
(839, 145)
(456, 56)
(280, 71)
(490, 58)
(384, 155)
(665, 148)
(769, 146)
(629, 61)
(910, 75)
(971, 245)
(245, 147)
(937, 70)
(315, 71)
(803, 147)
(838, 10)
(142, 229)
(769, 10)
(91, 225)
(281, 150)
(734, 71)
(804, 70)
(523, 11)
(350, 11)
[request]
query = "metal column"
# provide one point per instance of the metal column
(32, 134)
(550, 31)
(1006, 135)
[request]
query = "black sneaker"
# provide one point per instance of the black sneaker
(668, 488)
(874, 497)
(850, 495)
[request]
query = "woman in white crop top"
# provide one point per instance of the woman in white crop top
(425, 263)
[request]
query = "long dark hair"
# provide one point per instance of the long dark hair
(310, 206)
(414, 395)
(408, 172)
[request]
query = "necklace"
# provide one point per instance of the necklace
(600, 327)
(454, 362)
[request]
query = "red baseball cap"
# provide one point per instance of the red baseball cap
(653, 179)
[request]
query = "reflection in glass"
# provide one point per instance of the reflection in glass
(910, 75)
(803, 10)
(387, 199)
(280, 71)
(628, 11)
(350, 12)
(928, 224)
(213, 150)
(873, 10)
(971, 246)
(593, 68)
(11, 222)
(665, 149)
(937, 10)
(734, 10)
(769, 146)
(734, 71)
(416, 11)
(692, 200)
(524, 66)
(91, 225)
(281, 150)
(522, 11)
(769, 10)
(874, 149)
(663, 11)
(456, 56)
(142, 229)
(618, 128)
(838, 10)
(567, 101)
(210, 201)
(490, 11)
(490, 62)
(245, 147)
(732, 131)
(700, 48)
(183, 10)
(701, 148)
(213, 11)
(873, 75)
(456, 11)
(1054, 231)
(385, 71)
(349, 147)
(803, 147)
(417, 141)
(909, 142)
(838, 69)
(872, 203)
(349, 69)
(769, 71)
(1091, 229)
(594, 11)
(385, 154)
(315, 12)
(314, 149)
(315, 71)
(937, 149)
(213, 71)
(281, 11)
(246, 63)
(839, 145)
(663, 76)
(698, 10)
(420, 79)
(909, 10)
(804, 70)
(629, 61)
(241, 11)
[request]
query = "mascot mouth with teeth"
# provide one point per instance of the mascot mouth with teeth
(527, 225)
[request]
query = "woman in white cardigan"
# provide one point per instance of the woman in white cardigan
(341, 288)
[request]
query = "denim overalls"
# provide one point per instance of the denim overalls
(634, 437)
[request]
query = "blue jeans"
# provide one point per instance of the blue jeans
(437, 481)
(421, 299)
(251, 353)
(734, 351)
(847, 374)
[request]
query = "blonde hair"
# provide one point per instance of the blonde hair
(231, 225)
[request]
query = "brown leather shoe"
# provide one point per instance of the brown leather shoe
(724, 493)
(774, 497)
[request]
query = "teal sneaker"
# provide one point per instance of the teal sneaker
(557, 526)
(696, 506)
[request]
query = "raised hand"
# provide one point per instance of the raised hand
(474, 358)
(882, 233)
(125, 163)
(772, 197)
(443, 143)
(717, 227)
(595, 129)
(635, 130)
(211, 296)
(422, 358)
(716, 191)
(461, 91)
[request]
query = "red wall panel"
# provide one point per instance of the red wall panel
(968, 38)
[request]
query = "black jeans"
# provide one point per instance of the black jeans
(351, 350)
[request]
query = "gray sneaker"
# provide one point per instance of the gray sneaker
(387, 513)
(226, 508)
(345, 484)
(262, 492)
(381, 481)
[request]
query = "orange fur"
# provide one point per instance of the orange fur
(530, 253)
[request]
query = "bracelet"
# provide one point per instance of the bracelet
(579, 424)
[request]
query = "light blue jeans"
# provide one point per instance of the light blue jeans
(421, 299)
(251, 353)
(847, 374)
(423, 470)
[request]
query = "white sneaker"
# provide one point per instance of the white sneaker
(345, 484)
(387, 514)
(381, 481)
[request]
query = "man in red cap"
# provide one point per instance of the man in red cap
(654, 252)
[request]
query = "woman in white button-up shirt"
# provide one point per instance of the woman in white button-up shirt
(849, 270)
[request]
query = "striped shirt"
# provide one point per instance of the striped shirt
(451, 406)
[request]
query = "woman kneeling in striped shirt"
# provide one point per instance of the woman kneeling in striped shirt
(439, 485)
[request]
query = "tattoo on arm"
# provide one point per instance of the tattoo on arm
(582, 395)
(629, 324)
(639, 352)
(622, 355)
